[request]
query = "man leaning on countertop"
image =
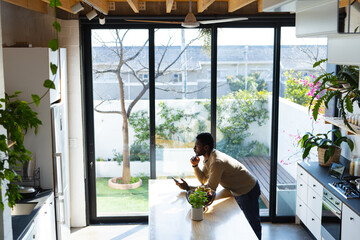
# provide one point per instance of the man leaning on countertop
(222, 169)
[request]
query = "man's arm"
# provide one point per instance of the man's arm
(215, 174)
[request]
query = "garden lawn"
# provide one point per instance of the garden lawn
(115, 201)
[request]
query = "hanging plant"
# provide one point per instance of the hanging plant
(344, 84)
(17, 117)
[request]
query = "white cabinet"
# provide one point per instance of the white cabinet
(309, 202)
(45, 221)
(350, 224)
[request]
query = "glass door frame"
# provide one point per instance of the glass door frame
(275, 22)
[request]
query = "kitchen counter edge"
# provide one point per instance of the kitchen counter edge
(21, 223)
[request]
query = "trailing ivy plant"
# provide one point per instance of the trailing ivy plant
(17, 117)
(344, 84)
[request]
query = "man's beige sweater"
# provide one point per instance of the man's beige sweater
(226, 171)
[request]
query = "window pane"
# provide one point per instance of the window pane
(244, 85)
(121, 122)
(182, 88)
(296, 88)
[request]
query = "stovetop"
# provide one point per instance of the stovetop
(346, 189)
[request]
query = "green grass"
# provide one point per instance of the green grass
(110, 200)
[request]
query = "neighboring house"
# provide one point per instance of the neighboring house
(195, 73)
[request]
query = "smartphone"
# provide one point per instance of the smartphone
(174, 179)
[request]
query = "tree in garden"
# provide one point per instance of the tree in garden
(127, 59)
(253, 82)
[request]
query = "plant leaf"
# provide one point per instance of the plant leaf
(36, 99)
(54, 3)
(53, 68)
(348, 104)
(49, 84)
(319, 62)
(53, 44)
(57, 26)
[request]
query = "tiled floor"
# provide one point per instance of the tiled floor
(140, 232)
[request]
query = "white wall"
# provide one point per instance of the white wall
(5, 216)
(69, 39)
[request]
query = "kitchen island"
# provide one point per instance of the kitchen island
(169, 215)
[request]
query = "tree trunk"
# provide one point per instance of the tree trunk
(126, 151)
(125, 132)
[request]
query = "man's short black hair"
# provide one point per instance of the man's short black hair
(206, 139)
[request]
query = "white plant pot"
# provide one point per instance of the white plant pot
(197, 214)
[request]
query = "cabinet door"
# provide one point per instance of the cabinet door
(301, 189)
(313, 223)
(302, 174)
(301, 209)
(350, 224)
(315, 185)
(314, 202)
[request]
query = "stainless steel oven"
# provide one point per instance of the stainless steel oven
(330, 216)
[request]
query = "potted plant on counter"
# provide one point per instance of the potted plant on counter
(328, 150)
(198, 199)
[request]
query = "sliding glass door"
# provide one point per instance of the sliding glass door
(120, 82)
(182, 97)
(244, 102)
(297, 77)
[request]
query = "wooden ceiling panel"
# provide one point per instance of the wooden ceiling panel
(65, 4)
(100, 5)
(204, 4)
(134, 4)
(169, 4)
(36, 5)
(237, 4)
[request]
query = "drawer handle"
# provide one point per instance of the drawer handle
(312, 219)
(301, 206)
(351, 218)
(314, 185)
(337, 203)
(313, 198)
(331, 198)
(301, 174)
(300, 185)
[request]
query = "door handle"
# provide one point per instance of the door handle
(91, 164)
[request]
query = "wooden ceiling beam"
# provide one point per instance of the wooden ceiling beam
(134, 4)
(260, 5)
(234, 5)
(169, 4)
(36, 5)
(100, 5)
(65, 4)
(204, 4)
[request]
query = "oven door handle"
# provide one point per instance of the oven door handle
(332, 209)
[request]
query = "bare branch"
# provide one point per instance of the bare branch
(163, 55)
(138, 52)
(176, 59)
(138, 97)
(96, 108)
(135, 75)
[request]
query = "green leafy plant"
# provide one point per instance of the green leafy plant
(253, 83)
(198, 198)
(235, 114)
(321, 140)
(331, 85)
(118, 157)
(17, 117)
(298, 88)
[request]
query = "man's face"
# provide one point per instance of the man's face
(199, 149)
